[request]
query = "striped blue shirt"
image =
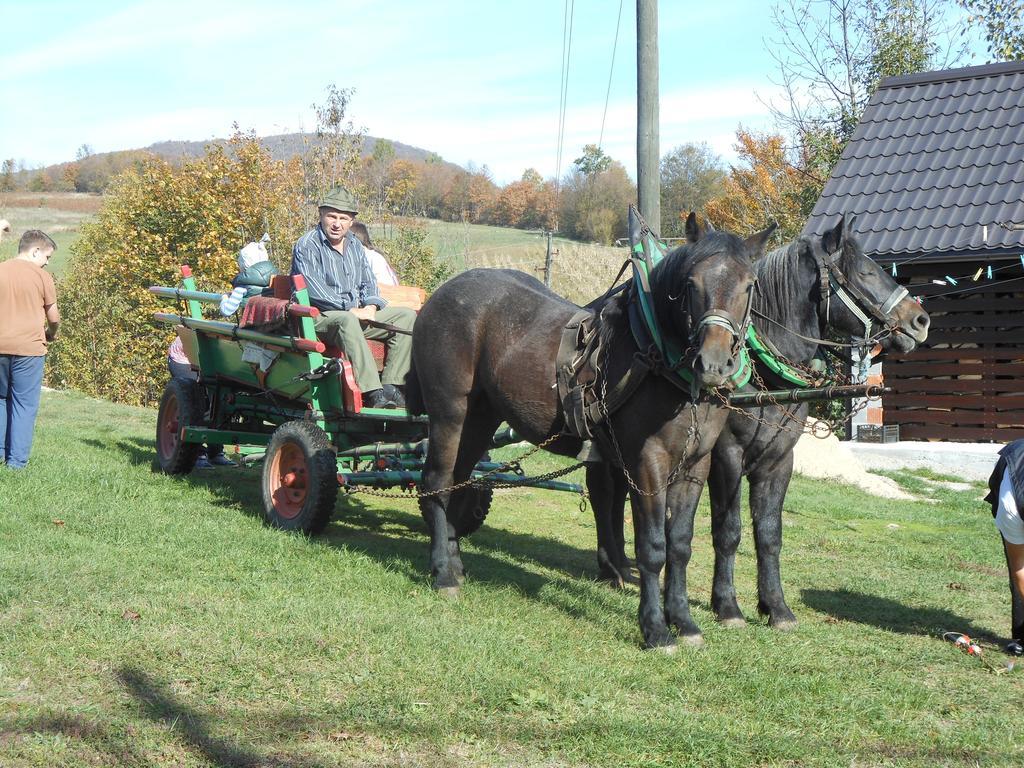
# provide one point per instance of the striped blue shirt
(335, 280)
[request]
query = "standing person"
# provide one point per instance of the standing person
(342, 286)
(381, 269)
(28, 321)
(178, 365)
(1006, 495)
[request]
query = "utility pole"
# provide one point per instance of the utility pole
(547, 262)
(648, 157)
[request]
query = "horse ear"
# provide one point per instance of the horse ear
(832, 240)
(694, 231)
(756, 243)
(708, 226)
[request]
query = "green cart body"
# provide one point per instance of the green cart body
(300, 412)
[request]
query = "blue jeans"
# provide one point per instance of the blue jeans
(21, 379)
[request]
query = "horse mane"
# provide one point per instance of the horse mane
(778, 275)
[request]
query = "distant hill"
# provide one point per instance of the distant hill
(281, 147)
(93, 172)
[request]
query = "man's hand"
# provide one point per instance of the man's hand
(368, 312)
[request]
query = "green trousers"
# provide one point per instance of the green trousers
(343, 330)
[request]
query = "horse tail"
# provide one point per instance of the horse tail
(413, 395)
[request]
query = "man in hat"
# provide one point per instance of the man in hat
(1006, 495)
(342, 286)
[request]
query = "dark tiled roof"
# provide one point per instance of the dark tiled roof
(936, 163)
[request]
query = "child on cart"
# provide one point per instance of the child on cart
(253, 279)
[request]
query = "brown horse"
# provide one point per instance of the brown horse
(485, 350)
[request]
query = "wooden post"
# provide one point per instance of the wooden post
(648, 159)
(547, 263)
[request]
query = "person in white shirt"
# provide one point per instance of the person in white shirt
(378, 263)
(1006, 495)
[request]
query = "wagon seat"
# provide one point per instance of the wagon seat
(396, 295)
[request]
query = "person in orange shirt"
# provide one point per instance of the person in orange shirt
(28, 322)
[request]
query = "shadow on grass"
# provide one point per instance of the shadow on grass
(888, 614)
(114, 746)
(191, 726)
(398, 539)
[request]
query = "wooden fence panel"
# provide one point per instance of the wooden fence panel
(967, 382)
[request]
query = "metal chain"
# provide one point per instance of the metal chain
(693, 432)
(474, 482)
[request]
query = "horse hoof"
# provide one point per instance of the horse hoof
(693, 641)
(668, 650)
(451, 593)
(612, 580)
(783, 625)
(735, 622)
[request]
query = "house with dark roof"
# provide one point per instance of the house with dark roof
(935, 177)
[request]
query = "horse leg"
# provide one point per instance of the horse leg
(649, 526)
(618, 519)
(477, 430)
(683, 496)
(612, 565)
(438, 473)
(724, 485)
(767, 493)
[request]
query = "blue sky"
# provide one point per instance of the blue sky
(476, 82)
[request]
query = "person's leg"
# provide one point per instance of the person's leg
(26, 382)
(5, 403)
(342, 330)
(180, 370)
(399, 356)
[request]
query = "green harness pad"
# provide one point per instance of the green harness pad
(646, 254)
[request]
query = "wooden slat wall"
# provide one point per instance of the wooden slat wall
(967, 382)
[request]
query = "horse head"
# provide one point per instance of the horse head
(859, 297)
(703, 292)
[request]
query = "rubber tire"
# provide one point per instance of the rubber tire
(468, 508)
(306, 440)
(177, 457)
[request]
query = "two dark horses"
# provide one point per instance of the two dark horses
(485, 350)
(805, 289)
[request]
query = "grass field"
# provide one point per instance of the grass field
(59, 215)
(580, 271)
(150, 621)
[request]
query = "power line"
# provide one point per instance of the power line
(611, 69)
(570, 8)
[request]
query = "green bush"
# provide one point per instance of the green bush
(414, 260)
(156, 219)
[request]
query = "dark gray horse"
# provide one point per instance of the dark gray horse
(795, 305)
(484, 352)
(805, 289)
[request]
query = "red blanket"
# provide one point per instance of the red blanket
(264, 314)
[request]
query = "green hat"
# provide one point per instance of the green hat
(340, 199)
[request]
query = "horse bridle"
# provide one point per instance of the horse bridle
(720, 317)
(831, 281)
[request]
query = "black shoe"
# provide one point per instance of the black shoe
(395, 395)
(220, 460)
(377, 398)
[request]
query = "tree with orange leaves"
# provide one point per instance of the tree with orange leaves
(763, 186)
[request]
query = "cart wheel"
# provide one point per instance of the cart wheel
(468, 508)
(179, 407)
(300, 478)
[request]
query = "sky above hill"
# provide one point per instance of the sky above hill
(476, 82)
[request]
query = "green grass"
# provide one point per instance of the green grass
(252, 647)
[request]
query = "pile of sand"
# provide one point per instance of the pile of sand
(830, 459)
